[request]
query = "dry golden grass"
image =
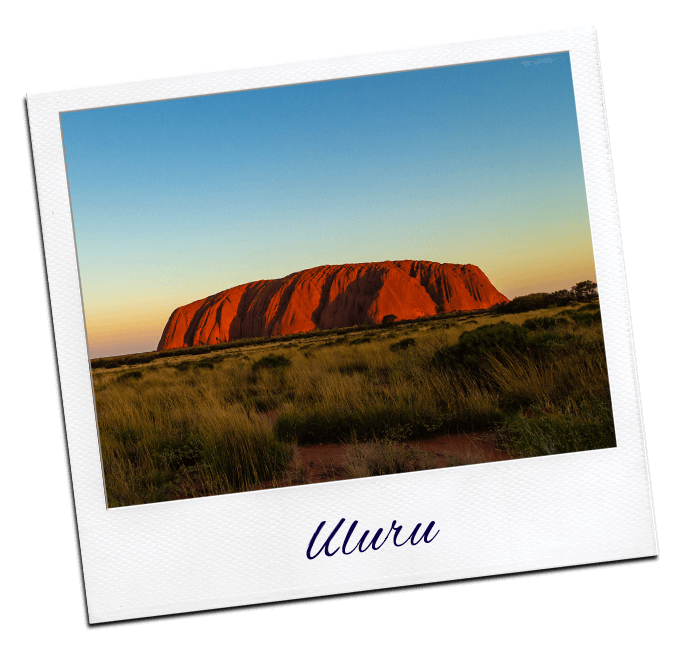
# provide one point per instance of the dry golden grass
(187, 426)
(372, 459)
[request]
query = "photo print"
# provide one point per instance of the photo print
(343, 325)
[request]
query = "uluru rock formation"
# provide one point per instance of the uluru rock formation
(328, 297)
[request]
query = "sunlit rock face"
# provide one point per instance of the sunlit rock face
(328, 297)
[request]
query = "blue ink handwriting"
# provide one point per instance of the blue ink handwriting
(363, 543)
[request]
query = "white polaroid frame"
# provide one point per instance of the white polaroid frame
(244, 548)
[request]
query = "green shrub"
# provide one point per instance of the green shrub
(536, 301)
(526, 303)
(579, 317)
(313, 426)
(383, 421)
(546, 434)
(271, 361)
(545, 322)
(130, 375)
(474, 346)
(209, 362)
(403, 344)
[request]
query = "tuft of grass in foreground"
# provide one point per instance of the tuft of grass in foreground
(271, 361)
(229, 421)
(374, 459)
(403, 344)
(159, 443)
(584, 427)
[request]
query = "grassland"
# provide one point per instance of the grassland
(222, 419)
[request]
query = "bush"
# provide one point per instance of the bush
(536, 301)
(546, 434)
(527, 303)
(579, 317)
(474, 346)
(271, 361)
(130, 375)
(403, 344)
(112, 364)
(544, 322)
(210, 362)
(585, 290)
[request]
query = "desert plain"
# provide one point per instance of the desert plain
(471, 377)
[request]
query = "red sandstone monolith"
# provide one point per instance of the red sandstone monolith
(328, 297)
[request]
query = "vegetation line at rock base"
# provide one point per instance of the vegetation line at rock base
(583, 291)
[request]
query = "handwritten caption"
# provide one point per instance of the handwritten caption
(363, 544)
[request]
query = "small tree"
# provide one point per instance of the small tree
(563, 297)
(389, 319)
(439, 309)
(585, 290)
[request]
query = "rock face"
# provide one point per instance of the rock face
(329, 297)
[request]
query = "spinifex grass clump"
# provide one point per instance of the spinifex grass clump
(374, 459)
(160, 441)
(130, 375)
(545, 322)
(475, 346)
(571, 427)
(271, 361)
(403, 344)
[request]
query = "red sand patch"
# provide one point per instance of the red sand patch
(466, 447)
(324, 462)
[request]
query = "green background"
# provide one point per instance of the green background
(623, 610)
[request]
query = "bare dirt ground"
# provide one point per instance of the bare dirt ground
(324, 462)
(466, 447)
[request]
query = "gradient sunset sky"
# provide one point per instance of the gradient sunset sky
(176, 200)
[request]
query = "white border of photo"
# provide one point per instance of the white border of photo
(245, 548)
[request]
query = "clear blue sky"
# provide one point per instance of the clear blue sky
(176, 200)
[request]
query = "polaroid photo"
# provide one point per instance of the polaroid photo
(342, 325)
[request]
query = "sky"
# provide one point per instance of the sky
(176, 200)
